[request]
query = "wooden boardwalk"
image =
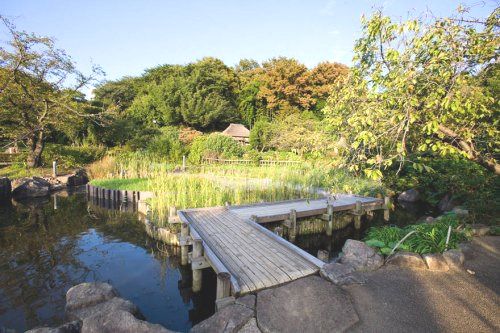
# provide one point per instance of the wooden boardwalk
(280, 211)
(249, 256)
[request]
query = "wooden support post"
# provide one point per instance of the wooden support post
(223, 285)
(54, 169)
(387, 204)
(197, 273)
(184, 248)
(293, 225)
(329, 213)
(357, 216)
(172, 214)
(183, 162)
(278, 231)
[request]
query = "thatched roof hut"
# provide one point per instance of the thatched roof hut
(238, 132)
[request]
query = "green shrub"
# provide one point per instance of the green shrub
(214, 145)
(72, 157)
(468, 183)
(426, 238)
(167, 145)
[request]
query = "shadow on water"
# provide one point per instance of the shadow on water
(49, 245)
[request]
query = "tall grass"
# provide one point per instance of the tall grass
(214, 185)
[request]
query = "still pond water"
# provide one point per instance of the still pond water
(50, 245)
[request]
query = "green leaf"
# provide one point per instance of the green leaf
(375, 243)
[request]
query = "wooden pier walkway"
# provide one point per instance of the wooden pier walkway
(248, 257)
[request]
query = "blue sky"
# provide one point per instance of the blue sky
(125, 37)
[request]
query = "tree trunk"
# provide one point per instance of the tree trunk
(36, 144)
(468, 148)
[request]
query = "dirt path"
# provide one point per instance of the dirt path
(403, 300)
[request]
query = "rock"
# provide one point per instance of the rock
(323, 255)
(406, 259)
(446, 204)
(480, 230)
(75, 179)
(250, 327)
(428, 219)
(410, 195)
(460, 212)
(229, 319)
(435, 262)
(72, 327)
(5, 188)
(454, 258)
(221, 303)
(306, 305)
(360, 256)
(119, 321)
(247, 300)
(467, 250)
(30, 187)
(340, 274)
(88, 294)
(112, 305)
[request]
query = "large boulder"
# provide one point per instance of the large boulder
(72, 327)
(446, 203)
(454, 258)
(112, 305)
(407, 259)
(360, 256)
(229, 319)
(340, 274)
(410, 195)
(77, 178)
(89, 294)
(119, 321)
(309, 304)
(30, 187)
(435, 262)
(5, 188)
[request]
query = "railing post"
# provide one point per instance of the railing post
(357, 217)
(197, 273)
(293, 225)
(329, 212)
(223, 285)
(184, 248)
(387, 204)
(54, 169)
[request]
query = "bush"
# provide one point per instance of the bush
(467, 182)
(426, 238)
(214, 145)
(71, 157)
(167, 145)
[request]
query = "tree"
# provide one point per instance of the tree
(35, 93)
(285, 88)
(323, 79)
(415, 90)
(117, 95)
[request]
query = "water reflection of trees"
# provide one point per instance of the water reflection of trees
(39, 257)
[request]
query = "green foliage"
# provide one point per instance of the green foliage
(214, 145)
(414, 89)
(167, 145)
(260, 134)
(468, 183)
(426, 238)
(72, 157)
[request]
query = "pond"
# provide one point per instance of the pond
(50, 245)
(46, 247)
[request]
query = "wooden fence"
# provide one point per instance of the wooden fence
(250, 162)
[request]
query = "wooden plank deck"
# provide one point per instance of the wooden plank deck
(255, 258)
(280, 211)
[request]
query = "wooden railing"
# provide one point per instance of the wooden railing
(249, 162)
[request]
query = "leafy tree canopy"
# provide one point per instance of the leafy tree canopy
(416, 89)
